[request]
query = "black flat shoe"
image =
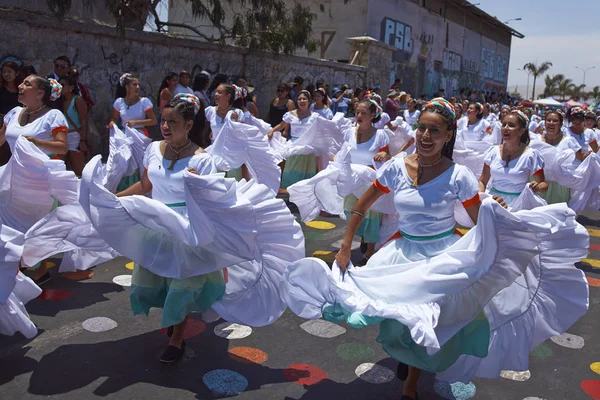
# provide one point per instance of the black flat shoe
(170, 331)
(42, 279)
(173, 354)
(402, 371)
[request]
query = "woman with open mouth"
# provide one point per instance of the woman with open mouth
(429, 288)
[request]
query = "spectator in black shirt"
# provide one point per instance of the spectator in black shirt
(9, 81)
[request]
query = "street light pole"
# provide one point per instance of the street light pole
(585, 70)
(528, 73)
(512, 19)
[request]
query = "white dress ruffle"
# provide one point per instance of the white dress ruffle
(322, 137)
(13, 315)
(441, 294)
(233, 225)
(470, 154)
(240, 143)
(399, 136)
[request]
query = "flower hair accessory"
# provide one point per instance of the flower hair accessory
(522, 117)
(123, 77)
(376, 97)
(55, 89)
(577, 112)
(378, 109)
(240, 92)
(443, 103)
(189, 98)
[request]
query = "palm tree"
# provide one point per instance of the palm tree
(552, 84)
(565, 87)
(595, 92)
(578, 93)
(536, 71)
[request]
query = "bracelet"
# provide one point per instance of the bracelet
(357, 213)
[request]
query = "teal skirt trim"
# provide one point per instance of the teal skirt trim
(177, 297)
(127, 181)
(395, 339)
(298, 168)
(423, 238)
(556, 193)
(505, 193)
(369, 227)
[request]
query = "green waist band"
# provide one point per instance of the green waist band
(173, 205)
(506, 193)
(420, 238)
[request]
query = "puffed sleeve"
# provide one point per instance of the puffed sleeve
(210, 113)
(204, 164)
(536, 162)
(489, 156)
(328, 113)
(568, 143)
(385, 118)
(55, 122)
(388, 175)
(288, 117)
(382, 140)
(148, 154)
(8, 117)
(118, 104)
(466, 186)
(146, 104)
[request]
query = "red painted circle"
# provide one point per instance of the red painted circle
(304, 374)
(193, 328)
(591, 388)
(248, 355)
(593, 281)
(54, 294)
(595, 247)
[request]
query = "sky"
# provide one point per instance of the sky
(566, 36)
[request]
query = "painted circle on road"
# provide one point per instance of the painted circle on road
(54, 294)
(99, 324)
(374, 373)
(224, 382)
(229, 330)
(322, 328)
(354, 352)
(323, 225)
(327, 256)
(338, 244)
(591, 388)
(248, 355)
(304, 374)
(595, 367)
(542, 351)
(456, 390)
(593, 281)
(130, 265)
(569, 341)
(519, 376)
(123, 280)
(592, 262)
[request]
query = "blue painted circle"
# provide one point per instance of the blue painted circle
(223, 382)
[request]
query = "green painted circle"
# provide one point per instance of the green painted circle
(542, 351)
(354, 352)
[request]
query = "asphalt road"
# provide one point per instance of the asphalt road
(90, 346)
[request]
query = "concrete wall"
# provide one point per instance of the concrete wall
(433, 52)
(102, 55)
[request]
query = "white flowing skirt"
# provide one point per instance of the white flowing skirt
(435, 288)
(235, 225)
(13, 315)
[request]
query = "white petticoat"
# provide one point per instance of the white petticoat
(13, 315)
(323, 137)
(235, 225)
(238, 144)
(437, 296)
(470, 154)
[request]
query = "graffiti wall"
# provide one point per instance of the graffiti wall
(433, 53)
(102, 55)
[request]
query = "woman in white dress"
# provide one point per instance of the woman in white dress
(411, 114)
(320, 105)
(133, 111)
(40, 181)
(368, 146)
(427, 286)
(585, 137)
(513, 164)
(196, 224)
(299, 167)
(477, 127)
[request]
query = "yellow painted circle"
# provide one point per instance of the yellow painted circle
(129, 266)
(463, 231)
(50, 264)
(593, 263)
(594, 232)
(595, 367)
(320, 225)
(325, 255)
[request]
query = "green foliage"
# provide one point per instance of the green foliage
(273, 25)
(536, 70)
